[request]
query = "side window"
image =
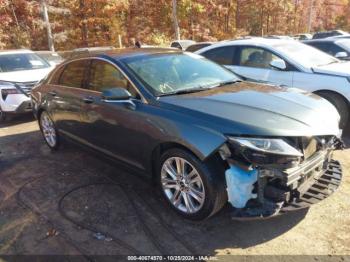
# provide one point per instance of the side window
(323, 47)
(73, 74)
(103, 76)
(256, 57)
(329, 48)
(221, 55)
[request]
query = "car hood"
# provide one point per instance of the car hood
(338, 69)
(22, 76)
(248, 108)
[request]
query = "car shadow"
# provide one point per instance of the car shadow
(17, 119)
(71, 167)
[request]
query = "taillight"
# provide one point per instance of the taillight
(6, 92)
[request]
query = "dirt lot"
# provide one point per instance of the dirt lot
(55, 203)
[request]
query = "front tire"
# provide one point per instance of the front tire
(48, 131)
(194, 189)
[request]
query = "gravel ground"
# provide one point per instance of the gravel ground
(56, 203)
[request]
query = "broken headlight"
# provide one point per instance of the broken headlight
(265, 151)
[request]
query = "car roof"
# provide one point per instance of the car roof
(129, 52)
(183, 41)
(320, 40)
(15, 51)
(254, 41)
(327, 40)
(45, 52)
(202, 43)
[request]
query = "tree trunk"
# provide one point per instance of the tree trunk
(84, 28)
(48, 26)
(176, 23)
(237, 14)
(262, 18)
(310, 16)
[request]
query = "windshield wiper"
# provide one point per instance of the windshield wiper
(333, 62)
(227, 83)
(186, 91)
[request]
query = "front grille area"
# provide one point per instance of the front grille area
(281, 200)
(310, 145)
(26, 87)
(317, 189)
(312, 165)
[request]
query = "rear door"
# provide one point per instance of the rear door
(67, 97)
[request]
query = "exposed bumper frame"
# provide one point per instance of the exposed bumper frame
(312, 191)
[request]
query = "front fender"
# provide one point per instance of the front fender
(200, 140)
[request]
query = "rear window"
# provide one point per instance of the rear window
(73, 74)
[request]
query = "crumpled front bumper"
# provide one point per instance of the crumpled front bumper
(312, 191)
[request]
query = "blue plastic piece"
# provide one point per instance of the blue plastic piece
(240, 185)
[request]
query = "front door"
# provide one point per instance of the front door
(117, 128)
(254, 63)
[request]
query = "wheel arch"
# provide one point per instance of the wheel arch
(165, 146)
(323, 91)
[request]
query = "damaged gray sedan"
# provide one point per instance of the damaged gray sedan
(205, 137)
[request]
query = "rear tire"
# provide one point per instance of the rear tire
(196, 190)
(49, 131)
(340, 104)
(2, 115)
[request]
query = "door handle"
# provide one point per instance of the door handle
(53, 93)
(88, 100)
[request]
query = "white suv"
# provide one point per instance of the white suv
(20, 71)
(287, 63)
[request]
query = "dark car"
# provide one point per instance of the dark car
(337, 47)
(205, 136)
(182, 44)
(326, 34)
(197, 46)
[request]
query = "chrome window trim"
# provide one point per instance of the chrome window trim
(143, 99)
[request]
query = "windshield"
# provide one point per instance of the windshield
(17, 62)
(344, 43)
(174, 72)
(305, 55)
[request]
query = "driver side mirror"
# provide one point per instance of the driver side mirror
(341, 55)
(278, 64)
(116, 94)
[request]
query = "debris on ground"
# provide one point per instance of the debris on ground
(52, 232)
(100, 236)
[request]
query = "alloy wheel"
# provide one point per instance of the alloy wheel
(182, 185)
(48, 129)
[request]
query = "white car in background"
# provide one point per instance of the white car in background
(287, 63)
(20, 71)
